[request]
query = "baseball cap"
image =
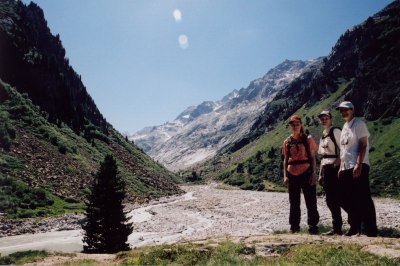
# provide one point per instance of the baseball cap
(345, 104)
(294, 118)
(325, 112)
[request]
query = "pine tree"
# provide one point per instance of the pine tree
(107, 228)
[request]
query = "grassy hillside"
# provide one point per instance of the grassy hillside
(41, 158)
(257, 166)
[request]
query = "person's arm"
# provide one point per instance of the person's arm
(320, 176)
(313, 179)
(336, 134)
(362, 144)
(285, 178)
(285, 165)
(313, 147)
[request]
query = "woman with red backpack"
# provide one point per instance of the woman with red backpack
(299, 174)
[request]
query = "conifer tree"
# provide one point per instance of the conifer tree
(107, 227)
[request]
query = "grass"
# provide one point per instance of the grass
(83, 262)
(18, 200)
(385, 157)
(382, 231)
(22, 257)
(230, 253)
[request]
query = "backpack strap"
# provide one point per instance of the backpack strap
(332, 136)
(304, 139)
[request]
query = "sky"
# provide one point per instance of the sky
(145, 61)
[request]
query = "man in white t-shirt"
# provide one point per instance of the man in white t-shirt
(353, 173)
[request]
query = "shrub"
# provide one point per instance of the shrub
(236, 180)
(223, 175)
(247, 186)
(19, 199)
(71, 200)
(387, 121)
(53, 140)
(260, 187)
(26, 214)
(62, 149)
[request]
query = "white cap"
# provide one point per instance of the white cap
(346, 104)
(325, 112)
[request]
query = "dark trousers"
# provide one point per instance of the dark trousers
(296, 184)
(356, 200)
(332, 192)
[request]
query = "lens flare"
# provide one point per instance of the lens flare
(183, 41)
(177, 15)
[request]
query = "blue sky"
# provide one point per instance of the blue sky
(145, 61)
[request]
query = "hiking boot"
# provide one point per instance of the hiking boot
(294, 230)
(371, 233)
(313, 230)
(353, 231)
(333, 232)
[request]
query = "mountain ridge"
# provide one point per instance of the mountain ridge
(199, 131)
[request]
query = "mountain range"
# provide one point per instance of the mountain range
(200, 131)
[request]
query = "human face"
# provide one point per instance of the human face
(325, 121)
(347, 114)
(296, 126)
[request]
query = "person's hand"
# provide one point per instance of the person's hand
(339, 173)
(321, 180)
(313, 179)
(336, 163)
(357, 170)
(285, 181)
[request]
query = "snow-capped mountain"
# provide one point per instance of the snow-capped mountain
(200, 131)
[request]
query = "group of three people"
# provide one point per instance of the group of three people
(343, 173)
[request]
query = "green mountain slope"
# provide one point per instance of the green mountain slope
(52, 157)
(363, 67)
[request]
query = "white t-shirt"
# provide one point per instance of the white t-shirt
(349, 143)
(327, 147)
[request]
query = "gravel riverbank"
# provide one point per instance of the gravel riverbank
(203, 212)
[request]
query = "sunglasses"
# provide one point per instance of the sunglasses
(343, 110)
(294, 124)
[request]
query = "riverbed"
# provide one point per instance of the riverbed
(202, 212)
